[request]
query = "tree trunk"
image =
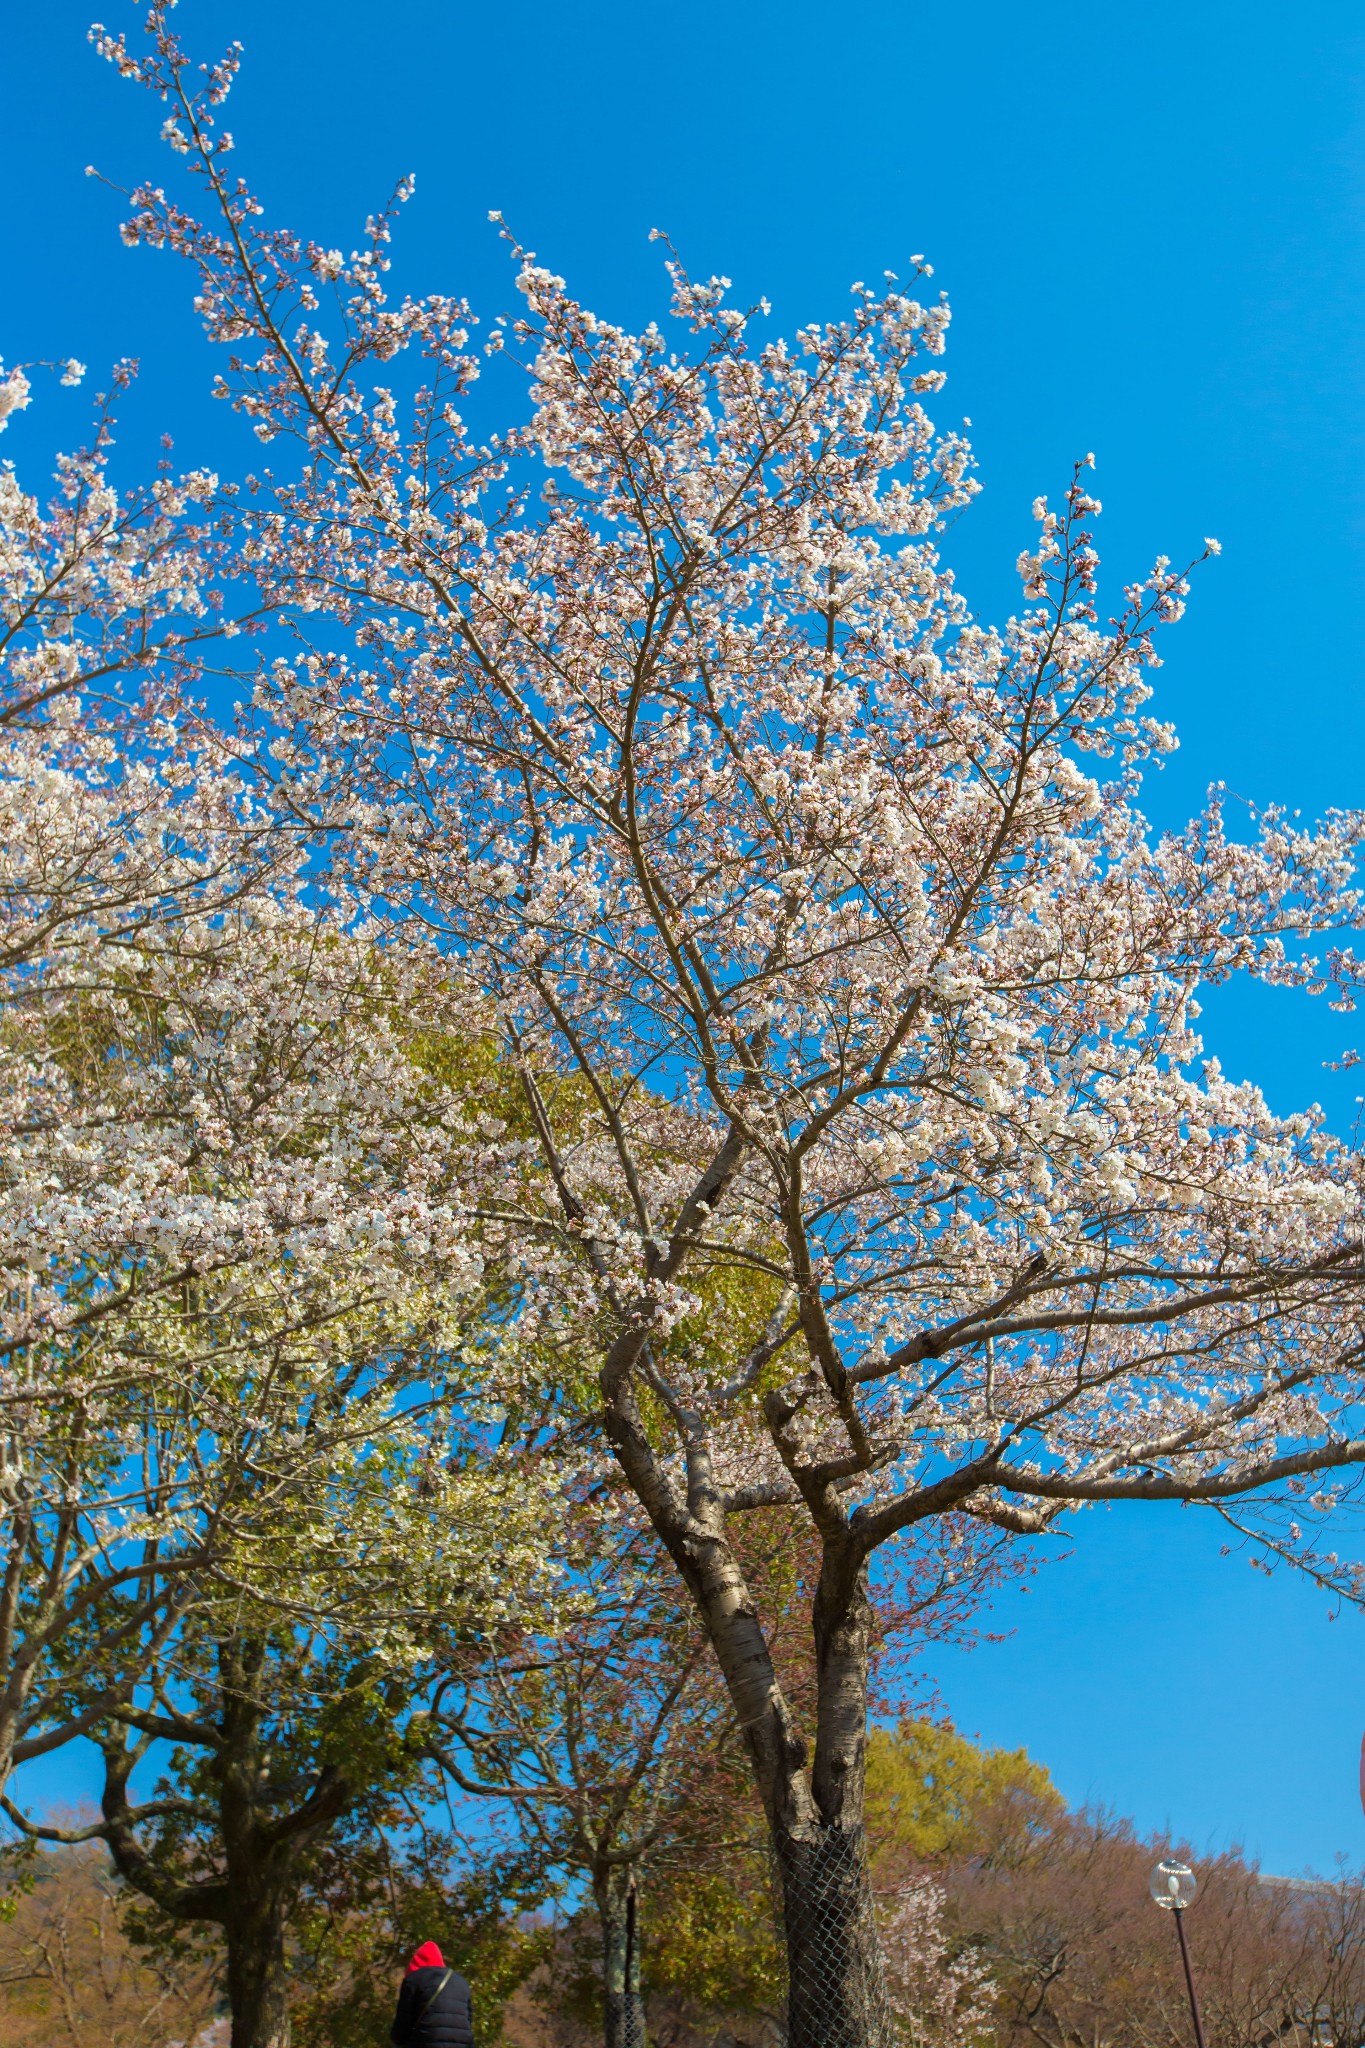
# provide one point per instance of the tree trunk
(836, 1991)
(622, 2005)
(256, 1977)
(836, 1994)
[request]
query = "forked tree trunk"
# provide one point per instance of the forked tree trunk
(263, 1849)
(814, 1810)
(622, 2003)
(836, 1990)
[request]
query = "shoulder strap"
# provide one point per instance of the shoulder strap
(432, 2000)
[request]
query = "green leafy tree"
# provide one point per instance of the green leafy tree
(935, 1798)
(272, 1727)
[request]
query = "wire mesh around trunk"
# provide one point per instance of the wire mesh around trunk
(827, 1926)
(625, 2010)
(625, 2017)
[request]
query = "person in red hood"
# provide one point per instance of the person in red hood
(435, 2005)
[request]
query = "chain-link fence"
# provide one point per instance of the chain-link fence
(625, 2020)
(625, 2009)
(827, 1923)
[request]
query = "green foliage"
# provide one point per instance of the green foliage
(708, 1945)
(710, 1938)
(176, 1949)
(374, 1898)
(19, 1871)
(933, 1797)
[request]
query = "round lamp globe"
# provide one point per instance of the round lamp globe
(1174, 1885)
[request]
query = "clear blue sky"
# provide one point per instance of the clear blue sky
(1151, 222)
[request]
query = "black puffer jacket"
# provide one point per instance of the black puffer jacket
(448, 2020)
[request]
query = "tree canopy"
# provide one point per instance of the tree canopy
(836, 1136)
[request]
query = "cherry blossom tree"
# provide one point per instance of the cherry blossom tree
(256, 1476)
(607, 1743)
(602, 1739)
(117, 597)
(243, 1288)
(253, 1364)
(114, 807)
(205, 1084)
(113, 826)
(837, 908)
(940, 1999)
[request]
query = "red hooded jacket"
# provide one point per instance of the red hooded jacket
(427, 1957)
(435, 2007)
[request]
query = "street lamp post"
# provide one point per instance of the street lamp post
(1174, 1887)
